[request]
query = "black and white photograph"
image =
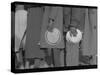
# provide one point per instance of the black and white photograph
(53, 37)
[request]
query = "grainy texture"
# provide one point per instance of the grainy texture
(89, 40)
(72, 56)
(58, 24)
(32, 49)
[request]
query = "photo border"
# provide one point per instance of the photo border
(14, 70)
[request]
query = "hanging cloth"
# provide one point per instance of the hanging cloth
(52, 39)
(86, 42)
(93, 23)
(32, 49)
(89, 39)
(66, 16)
(20, 26)
(78, 17)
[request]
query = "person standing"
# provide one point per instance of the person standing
(52, 33)
(73, 24)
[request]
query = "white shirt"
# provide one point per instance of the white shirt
(74, 39)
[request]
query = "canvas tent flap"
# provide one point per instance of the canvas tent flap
(58, 11)
(32, 49)
(89, 37)
(20, 26)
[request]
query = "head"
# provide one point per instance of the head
(73, 30)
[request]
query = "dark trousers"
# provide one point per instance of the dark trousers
(52, 56)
